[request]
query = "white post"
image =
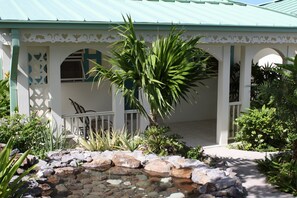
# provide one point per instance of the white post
(223, 97)
(118, 108)
(245, 77)
(144, 122)
(54, 81)
(23, 83)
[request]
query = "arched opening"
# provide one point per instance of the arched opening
(262, 63)
(195, 119)
(80, 93)
(268, 57)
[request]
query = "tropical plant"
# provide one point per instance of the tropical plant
(109, 140)
(4, 98)
(9, 187)
(260, 129)
(165, 71)
(196, 153)
(157, 140)
(281, 171)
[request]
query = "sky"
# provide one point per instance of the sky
(255, 2)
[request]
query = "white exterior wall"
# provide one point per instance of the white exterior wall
(98, 99)
(6, 58)
(267, 56)
(201, 107)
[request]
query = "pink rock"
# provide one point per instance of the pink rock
(64, 171)
(99, 162)
(124, 160)
(159, 166)
(181, 173)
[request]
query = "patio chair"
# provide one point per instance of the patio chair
(87, 122)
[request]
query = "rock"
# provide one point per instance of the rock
(181, 162)
(207, 188)
(153, 194)
(125, 161)
(181, 173)
(45, 172)
(99, 163)
(177, 195)
(41, 165)
(206, 196)
(141, 177)
(67, 158)
(158, 166)
(166, 180)
(114, 181)
(61, 189)
(225, 183)
(127, 183)
(74, 163)
(53, 179)
(205, 175)
(64, 171)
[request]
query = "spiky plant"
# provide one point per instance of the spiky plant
(165, 71)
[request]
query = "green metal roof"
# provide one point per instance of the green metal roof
(188, 13)
(285, 6)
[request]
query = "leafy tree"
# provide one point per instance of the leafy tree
(165, 71)
(281, 93)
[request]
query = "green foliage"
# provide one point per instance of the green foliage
(110, 140)
(260, 129)
(8, 166)
(196, 153)
(165, 71)
(4, 98)
(281, 171)
(26, 132)
(51, 141)
(157, 140)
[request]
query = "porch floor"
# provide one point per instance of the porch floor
(195, 133)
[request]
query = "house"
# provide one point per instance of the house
(46, 46)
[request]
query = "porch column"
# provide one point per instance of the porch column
(23, 83)
(245, 77)
(118, 108)
(144, 122)
(54, 81)
(223, 97)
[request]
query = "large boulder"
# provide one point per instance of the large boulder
(124, 160)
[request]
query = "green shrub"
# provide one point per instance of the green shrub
(8, 166)
(4, 98)
(259, 129)
(157, 140)
(281, 171)
(195, 153)
(26, 132)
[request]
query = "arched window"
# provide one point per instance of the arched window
(77, 65)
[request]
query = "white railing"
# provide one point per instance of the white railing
(234, 112)
(132, 120)
(81, 124)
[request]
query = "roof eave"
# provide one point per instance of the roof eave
(141, 26)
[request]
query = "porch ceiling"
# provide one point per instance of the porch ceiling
(212, 13)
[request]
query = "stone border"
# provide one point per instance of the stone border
(214, 182)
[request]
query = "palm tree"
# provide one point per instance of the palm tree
(165, 71)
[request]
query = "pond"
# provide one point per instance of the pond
(117, 182)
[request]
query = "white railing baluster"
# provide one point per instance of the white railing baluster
(77, 122)
(132, 120)
(234, 112)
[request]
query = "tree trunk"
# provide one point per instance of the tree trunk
(153, 119)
